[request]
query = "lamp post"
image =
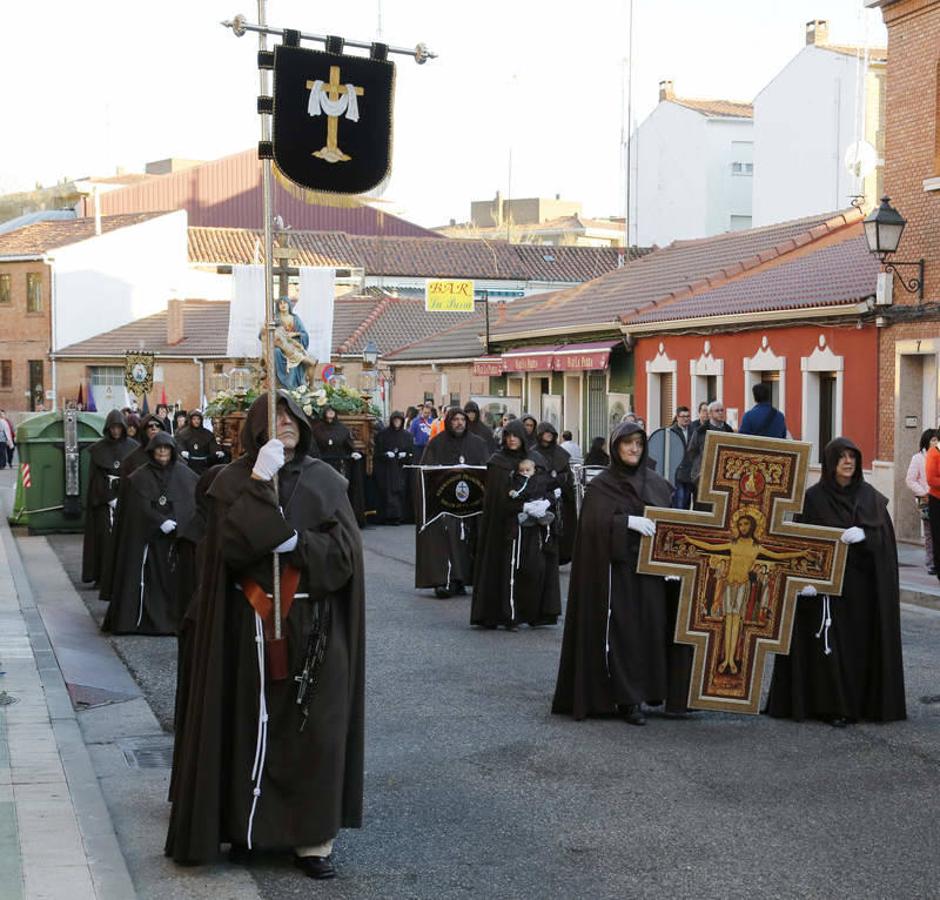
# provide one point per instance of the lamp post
(883, 229)
(370, 356)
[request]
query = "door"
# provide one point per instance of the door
(597, 407)
(37, 398)
(572, 410)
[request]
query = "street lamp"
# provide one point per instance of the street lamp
(367, 380)
(883, 229)
(370, 355)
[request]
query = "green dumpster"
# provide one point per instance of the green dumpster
(54, 445)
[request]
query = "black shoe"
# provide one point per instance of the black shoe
(460, 590)
(441, 593)
(320, 867)
(633, 715)
(240, 855)
(838, 722)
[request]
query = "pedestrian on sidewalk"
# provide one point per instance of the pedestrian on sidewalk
(6, 441)
(917, 482)
(932, 471)
(763, 418)
(253, 767)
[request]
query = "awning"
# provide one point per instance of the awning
(579, 357)
(529, 359)
(488, 365)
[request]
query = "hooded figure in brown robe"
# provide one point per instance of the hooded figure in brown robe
(614, 652)
(248, 771)
(103, 488)
(845, 662)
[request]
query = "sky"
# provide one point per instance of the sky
(527, 96)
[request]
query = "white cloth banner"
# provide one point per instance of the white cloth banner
(315, 308)
(246, 312)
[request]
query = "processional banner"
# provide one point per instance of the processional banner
(456, 491)
(742, 564)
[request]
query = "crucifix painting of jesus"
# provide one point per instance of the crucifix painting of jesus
(741, 564)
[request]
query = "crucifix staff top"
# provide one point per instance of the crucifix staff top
(334, 91)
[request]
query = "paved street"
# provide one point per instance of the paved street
(474, 789)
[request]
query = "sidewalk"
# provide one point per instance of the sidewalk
(56, 836)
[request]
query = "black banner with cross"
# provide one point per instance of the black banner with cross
(332, 119)
(456, 491)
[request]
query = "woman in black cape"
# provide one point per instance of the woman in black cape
(559, 469)
(862, 677)
(597, 456)
(614, 651)
(394, 449)
(476, 425)
(516, 572)
(158, 499)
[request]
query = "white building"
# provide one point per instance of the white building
(692, 168)
(825, 99)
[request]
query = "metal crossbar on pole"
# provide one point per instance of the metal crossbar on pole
(240, 25)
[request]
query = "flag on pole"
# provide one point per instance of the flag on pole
(163, 397)
(81, 399)
(146, 409)
(90, 407)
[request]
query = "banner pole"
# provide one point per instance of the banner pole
(269, 300)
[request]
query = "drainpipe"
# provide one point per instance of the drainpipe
(202, 382)
(52, 319)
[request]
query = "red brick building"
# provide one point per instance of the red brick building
(909, 341)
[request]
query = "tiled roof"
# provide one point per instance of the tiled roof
(38, 238)
(460, 341)
(205, 326)
(412, 257)
(835, 274)
(660, 276)
(390, 322)
(879, 54)
(717, 108)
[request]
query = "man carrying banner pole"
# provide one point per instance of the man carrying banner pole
(447, 511)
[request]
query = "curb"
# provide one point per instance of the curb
(106, 863)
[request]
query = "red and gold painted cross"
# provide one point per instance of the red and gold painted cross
(742, 564)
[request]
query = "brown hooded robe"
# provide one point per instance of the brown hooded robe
(311, 781)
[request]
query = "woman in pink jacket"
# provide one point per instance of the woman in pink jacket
(917, 482)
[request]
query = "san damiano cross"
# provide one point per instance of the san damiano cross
(334, 99)
(742, 564)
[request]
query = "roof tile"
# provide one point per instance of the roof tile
(40, 237)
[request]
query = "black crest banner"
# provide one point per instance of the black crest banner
(452, 491)
(332, 119)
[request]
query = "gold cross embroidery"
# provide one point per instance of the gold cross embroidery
(334, 90)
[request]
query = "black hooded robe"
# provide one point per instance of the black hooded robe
(393, 481)
(863, 677)
(311, 781)
(559, 468)
(129, 465)
(199, 444)
(478, 427)
(516, 577)
(445, 550)
(614, 650)
(144, 597)
(103, 487)
(334, 442)
(530, 439)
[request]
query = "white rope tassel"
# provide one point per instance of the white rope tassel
(463, 534)
(261, 744)
(610, 570)
(143, 565)
(448, 573)
(512, 582)
(825, 624)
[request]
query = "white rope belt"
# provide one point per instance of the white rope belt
(825, 624)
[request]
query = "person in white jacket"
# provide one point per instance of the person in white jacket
(917, 481)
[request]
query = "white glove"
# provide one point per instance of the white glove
(168, 526)
(355, 455)
(671, 578)
(808, 591)
(270, 459)
(557, 493)
(853, 535)
(113, 503)
(288, 545)
(641, 525)
(402, 454)
(184, 454)
(391, 454)
(219, 454)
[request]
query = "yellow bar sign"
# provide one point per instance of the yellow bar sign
(448, 295)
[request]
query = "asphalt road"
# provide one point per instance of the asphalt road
(474, 790)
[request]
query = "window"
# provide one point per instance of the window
(742, 168)
(5, 291)
(33, 292)
(107, 375)
(6, 374)
(827, 410)
(740, 223)
(454, 400)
